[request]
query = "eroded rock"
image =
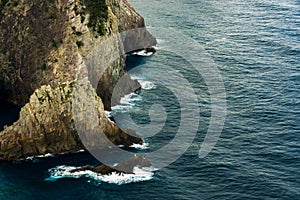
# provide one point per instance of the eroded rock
(125, 167)
(43, 48)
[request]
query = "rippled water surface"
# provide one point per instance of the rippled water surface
(256, 46)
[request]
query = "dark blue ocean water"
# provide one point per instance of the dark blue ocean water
(256, 46)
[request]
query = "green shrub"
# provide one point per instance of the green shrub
(101, 29)
(78, 33)
(2, 5)
(44, 66)
(16, 3)
(98, 15)
(54, 44)
(53, 15)
(79, 44)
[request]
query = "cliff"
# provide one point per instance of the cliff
(43, 47)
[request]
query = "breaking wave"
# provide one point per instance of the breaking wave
(146, 84)
(140, 146)
(40, 156)
(63, 171)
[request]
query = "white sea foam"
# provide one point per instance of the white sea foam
(60, 172)
(40, 156)
(127, 101)
(119, 107)
(147, 85)
(45, 156)
(160, 44)
(108, 114)
(140, 146)
(143, 53)
(130, 99)
(160, 41)
(49, 155)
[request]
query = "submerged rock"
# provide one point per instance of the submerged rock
(125, 167)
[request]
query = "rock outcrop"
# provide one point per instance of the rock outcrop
(44, 47)
(125, 167)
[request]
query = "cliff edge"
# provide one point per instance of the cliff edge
(43, 47)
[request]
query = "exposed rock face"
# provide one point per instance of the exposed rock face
(46, 124)
(125, 167)
(30, 31)
(134, 37)
(43, 48)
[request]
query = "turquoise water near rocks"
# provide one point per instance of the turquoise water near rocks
(256, 46)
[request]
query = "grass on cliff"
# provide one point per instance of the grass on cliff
(2, 4)
(98, 11)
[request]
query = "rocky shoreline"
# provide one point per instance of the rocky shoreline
(125, 167)
(43, 47)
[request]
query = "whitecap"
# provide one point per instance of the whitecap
(147, 85)
(45, 156)
(63, 171)
(28, 158)
(127, 101)
(130, 98)
(140, 146)
(160, 41)
(143, 53)
(161, 44)
(120, 107)
(40, 156)
(108, 114)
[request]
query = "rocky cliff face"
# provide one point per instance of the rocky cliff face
(44, 45)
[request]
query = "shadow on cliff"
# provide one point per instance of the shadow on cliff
(8, 114)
